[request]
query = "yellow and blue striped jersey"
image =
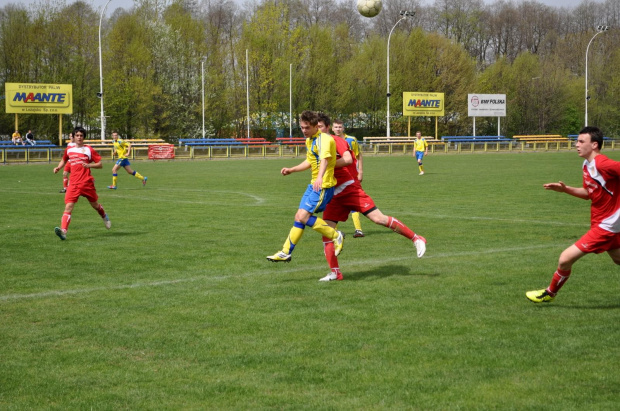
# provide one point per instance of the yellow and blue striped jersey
(321, 146)
(420, 144)
(122, 148)
(353, 145)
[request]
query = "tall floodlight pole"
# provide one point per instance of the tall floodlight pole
(202, 73)
(599, 30)
(100, 94)
(290, 103)
(247, 87)
(404, 15)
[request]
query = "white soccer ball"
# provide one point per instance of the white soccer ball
(369, 8)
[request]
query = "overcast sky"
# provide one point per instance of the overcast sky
(129, 3)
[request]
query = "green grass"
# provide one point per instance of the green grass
(176, 307)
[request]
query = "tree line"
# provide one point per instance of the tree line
(323, 54)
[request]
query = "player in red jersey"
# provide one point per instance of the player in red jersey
(82, 158)
(601, 185)
(67, 170)
(349, 195)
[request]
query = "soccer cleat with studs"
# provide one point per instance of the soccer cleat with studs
(144, 181)
(420, 245)
(280, 256)
(112, 187)
(64, 190)
(358, 234)
(107, 222)
(539, 296)
(338, 243)
(61, 233)
(332, 277)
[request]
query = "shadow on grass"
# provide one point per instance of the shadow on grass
(384, 272)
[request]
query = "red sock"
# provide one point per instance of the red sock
(101, 211)
(330, 255)
(65, 182)
(559, 278)
(398, 227)
(66, 219)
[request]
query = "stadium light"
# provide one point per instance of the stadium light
(404, 15)
(100, 94)
(202, 75)
(599, 30)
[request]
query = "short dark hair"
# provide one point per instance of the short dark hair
(596, 135)
(79, 129)
(324, 118)
(310, 117)
(338, 121)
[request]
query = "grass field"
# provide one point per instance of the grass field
(176, 306)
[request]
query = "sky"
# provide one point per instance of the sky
(129, 3)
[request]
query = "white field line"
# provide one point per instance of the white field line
(364, 263)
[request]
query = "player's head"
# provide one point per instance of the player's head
(71, 136)
(338, 127)
(418, 134)
(596, 135)
(324, 122)
(115, 135)
(79, 132)
(308, 122)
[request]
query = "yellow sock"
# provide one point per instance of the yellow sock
(293, 238)
(356, 221)
(421, 169)
(114, 178)
(139, 176)
(326, 231)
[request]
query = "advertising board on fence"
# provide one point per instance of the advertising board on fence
(423, 104)
(161, 152)
(28, 98)
(486, 105)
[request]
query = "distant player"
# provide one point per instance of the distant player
(338, 129)
(320, 158)
(67, 169)
(601, 185)
(82, 159)
(349, 195)
(123, 150)
(420, 150)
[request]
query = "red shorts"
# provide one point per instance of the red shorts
(74, 191)
(598, 241)
(352, 198)
(67, 168)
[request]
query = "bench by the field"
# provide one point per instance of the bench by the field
(574, 137)
(475, 139)
(257, 141)
(38, 144)
(197, 142)
(291, 141)
(396, 140)
(138, 142)
(540, 137)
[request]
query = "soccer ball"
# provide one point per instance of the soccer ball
(369, 8)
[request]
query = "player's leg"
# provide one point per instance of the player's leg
(615, 255)
(135, 174)
(561, 275)
(293, 238)
(90, 193)
(99, 209)
(65, 221)
(330, 256)
(419, 156)
(355, 216)
(65, 181)
(117, 165)
(377, 217)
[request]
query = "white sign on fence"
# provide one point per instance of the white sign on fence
(486, 105)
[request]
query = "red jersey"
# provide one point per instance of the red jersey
(601, 177)
(346, 173)
(76, 156)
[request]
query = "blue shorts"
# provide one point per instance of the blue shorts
(122, 162)
(419, 155)
(314, 202)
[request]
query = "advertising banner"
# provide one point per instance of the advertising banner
(417, 104)
(28, 98)
(161, 151)
(486, 105)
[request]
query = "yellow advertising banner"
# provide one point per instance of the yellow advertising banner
(423, 104)
(27, 98)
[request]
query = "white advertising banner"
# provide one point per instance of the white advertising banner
(486, 105)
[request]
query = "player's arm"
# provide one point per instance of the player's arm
(345, 159)
(360, 169)
(60, 165)
(128, 150)
(425, 147)
(97, 164)
(304, 165)
(560, 187)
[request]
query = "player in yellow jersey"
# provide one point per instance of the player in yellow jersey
(123, 150)
(338, 129)
(421, 149)
(321, 159)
